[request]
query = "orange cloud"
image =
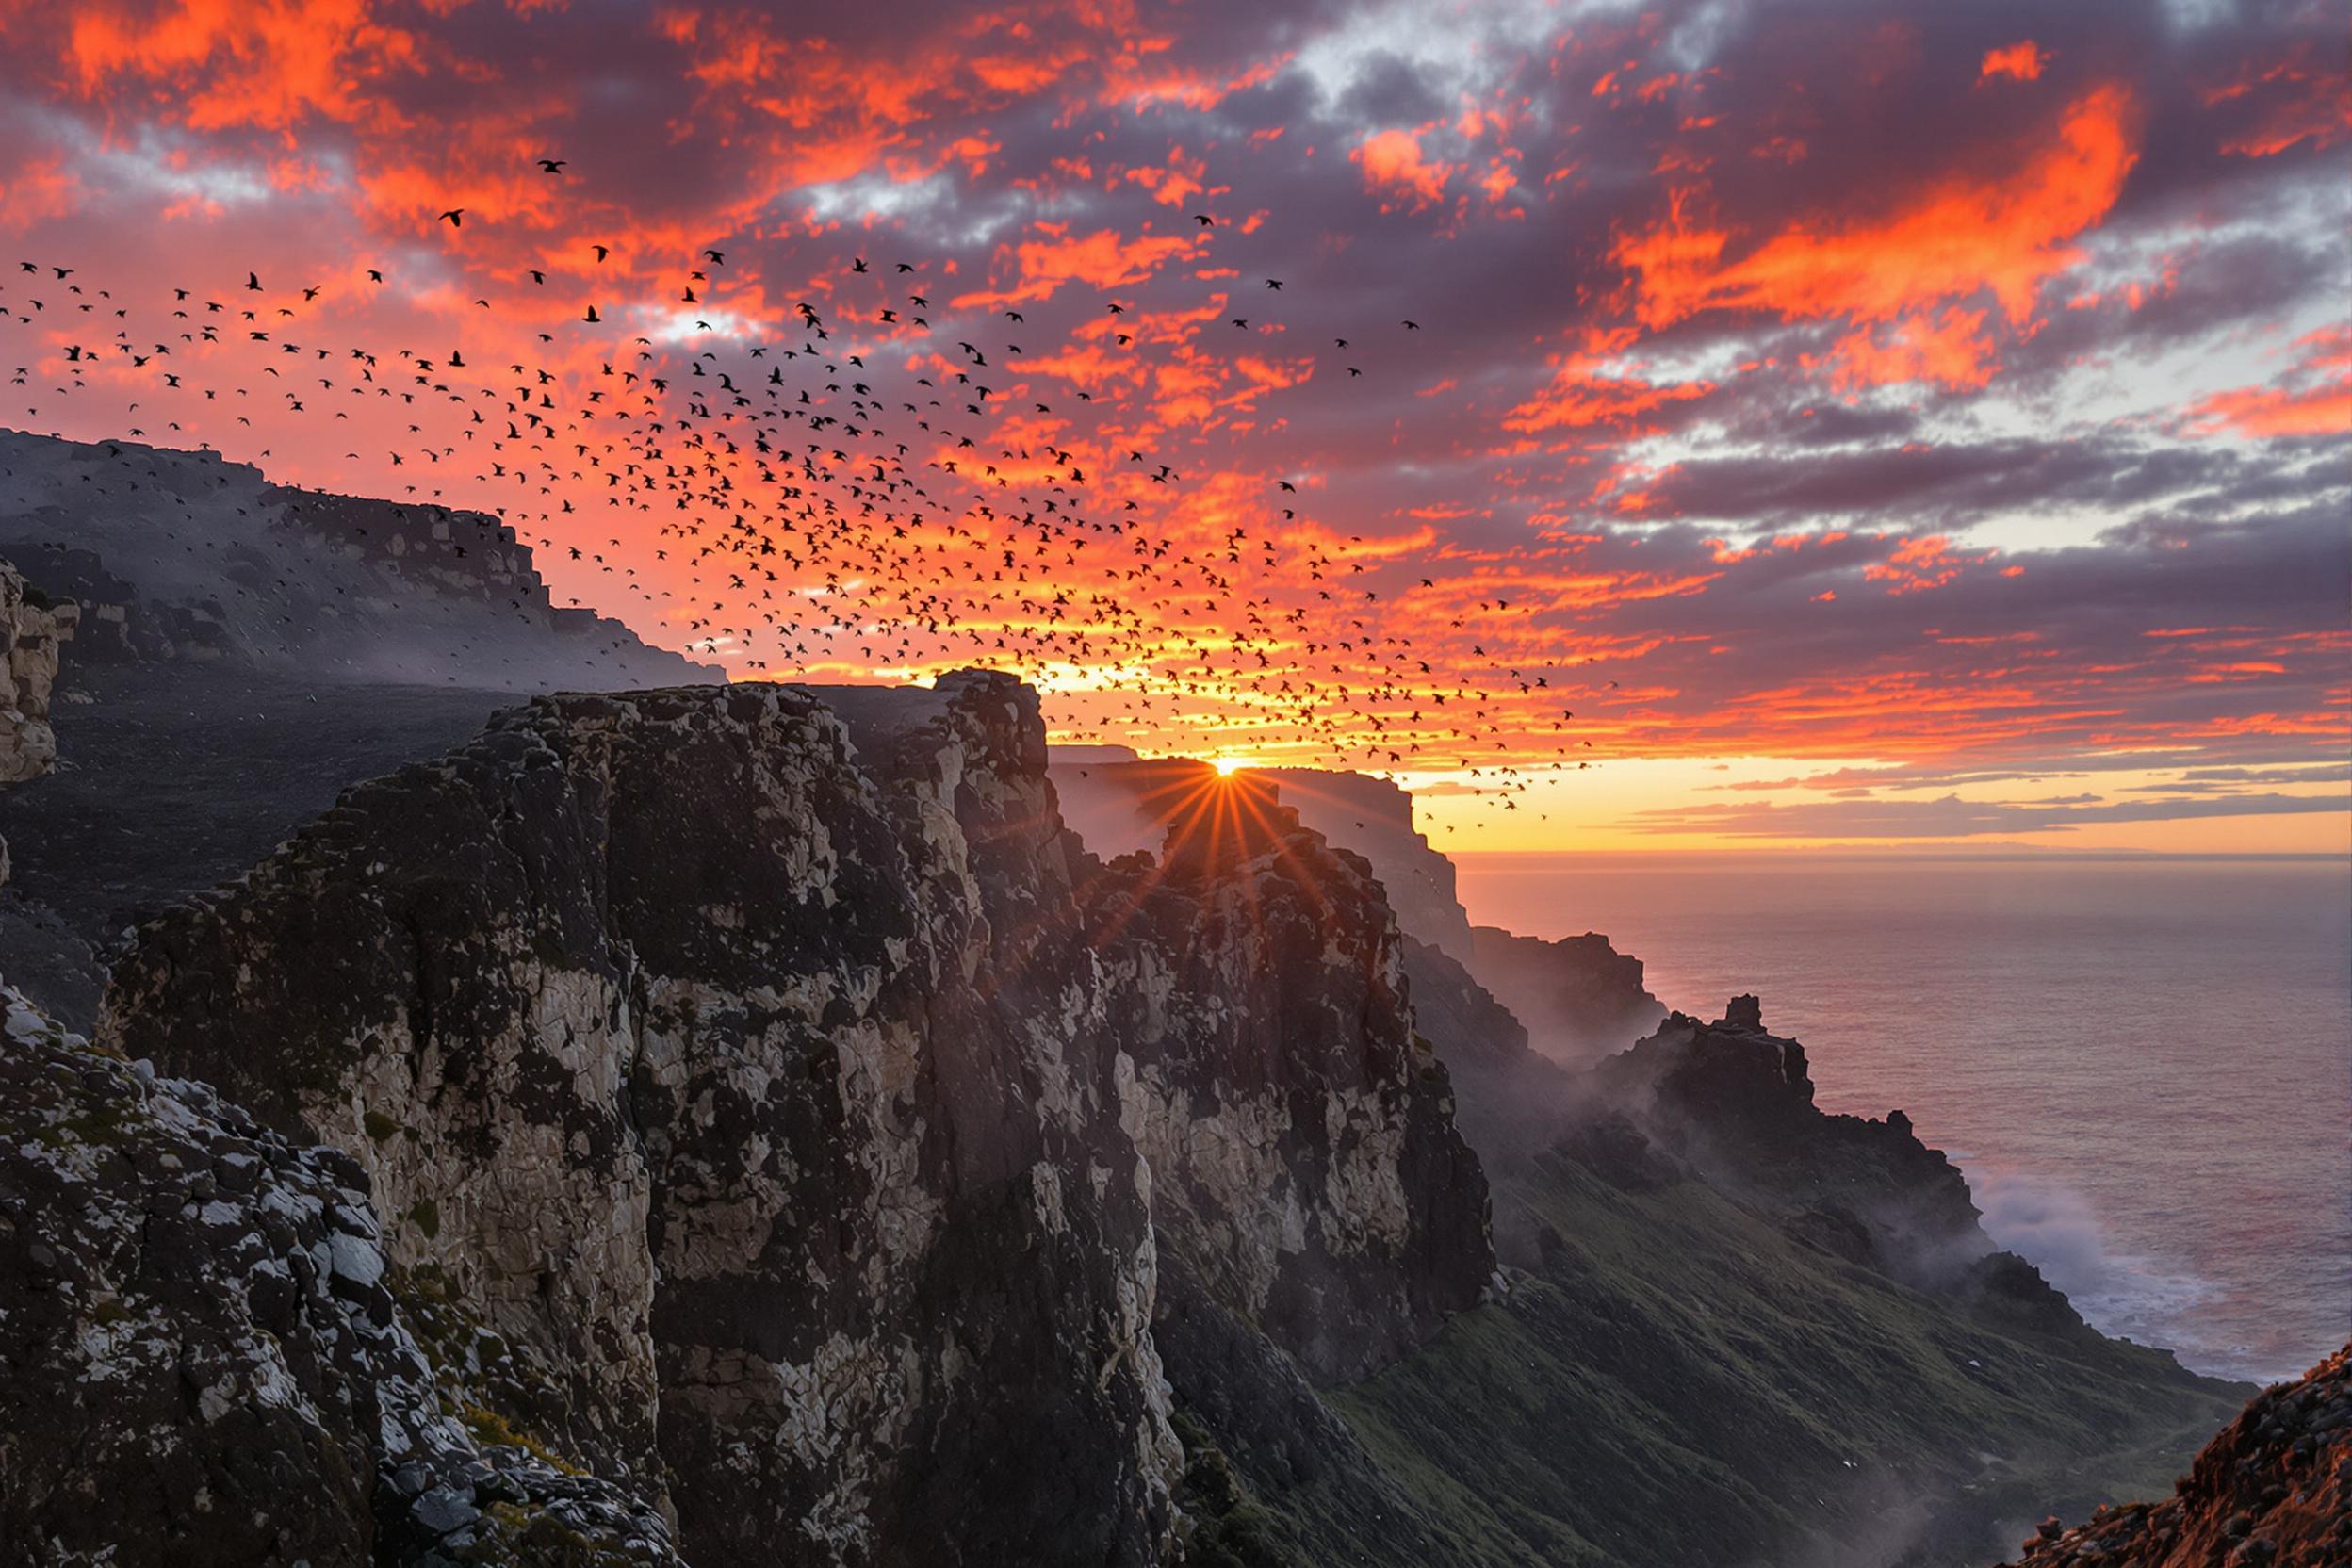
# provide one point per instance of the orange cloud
(2314, 399)
(1920, 564)
(1176, 185)
(1950, 349)
(2268, 411)
(2023, 60)
(37, 189)
(1961, 235)
(266, 66)
(2286, 104)
(1104, 259)
(1393, 165)
(1582, 392)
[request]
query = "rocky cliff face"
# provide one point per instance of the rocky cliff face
(807, 1119)
(205, 1363)
(1374, 818)
(31, 627)
(1306, 1168)
(1580, 998)
(241, 653)
(2274, 1489)
(1735, 1102)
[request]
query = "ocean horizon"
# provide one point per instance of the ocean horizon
(2142, 1062)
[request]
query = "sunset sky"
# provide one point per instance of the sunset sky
(1895, 424)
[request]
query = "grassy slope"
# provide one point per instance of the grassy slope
(1679, 1383)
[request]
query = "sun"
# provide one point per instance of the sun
(1228, 766)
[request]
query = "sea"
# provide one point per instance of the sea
(2143, 1065)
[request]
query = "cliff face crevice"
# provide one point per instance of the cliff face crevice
(796, 1103)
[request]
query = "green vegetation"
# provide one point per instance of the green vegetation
(1680, 1383)
(1231, 1529)
(493, 1430)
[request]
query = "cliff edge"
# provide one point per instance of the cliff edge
(808, 1120)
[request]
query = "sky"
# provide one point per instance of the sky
(1676, 426)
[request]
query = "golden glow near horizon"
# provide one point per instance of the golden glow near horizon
(1665, 445)
(1627, 807)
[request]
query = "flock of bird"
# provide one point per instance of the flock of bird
(877, 487)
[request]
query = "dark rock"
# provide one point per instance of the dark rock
(444, 1510)
(1580, 998)
(1736, 1104)
(1120, 804)
(183, 1385)
(767, 1077)
(2250, 1496)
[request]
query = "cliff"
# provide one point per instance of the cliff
(810, 1120)
(240, 652)
(1735, 1102)
(1120, 804)
(1580, 998)
(2274, 1489)
(1324, 1194)
(31, 627)
(1374, 818)
(205, 1363)
(178, 556)
(1731, 1329)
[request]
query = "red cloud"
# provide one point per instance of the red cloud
(267, 67)
(1103, 259)
(1582, 392)
(1959, 237)
(1393, 166)
(2284, 103)
(1950, 349)
(2315, 400)
(2024, 60)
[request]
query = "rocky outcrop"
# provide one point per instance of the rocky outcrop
(808, 1115)
(752, 1093)
(1301, 1134)
(1374, 818)
(206, 1362)
(1120, 804)
(179, 558)
(1735, 1102)
(1124, 806)
(243, 652)
(1580, 998)
(2274, 1489)
(31, 627)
